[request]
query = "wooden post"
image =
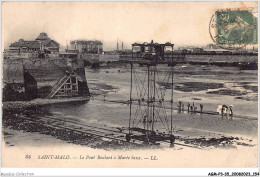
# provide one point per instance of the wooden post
(131, 97)
(172, 91)
(148, 95)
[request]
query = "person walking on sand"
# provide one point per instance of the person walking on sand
(219, 109)
(201, 108)
(194, 108)
(179, 106)
(230, 111)
(188, 105)
(224, 110)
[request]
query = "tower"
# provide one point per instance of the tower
(148, 96)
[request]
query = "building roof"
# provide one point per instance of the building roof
(86, 42)
(27, 44)
(49, 41)
(42, 36)
(42, 39)
(33, 44)
(152, 44)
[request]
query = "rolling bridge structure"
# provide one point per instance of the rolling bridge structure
(147, 97)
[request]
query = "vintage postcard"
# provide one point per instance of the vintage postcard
(130, 84)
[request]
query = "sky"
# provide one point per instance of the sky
(182, 23)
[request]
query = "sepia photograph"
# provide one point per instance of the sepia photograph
(130, 84)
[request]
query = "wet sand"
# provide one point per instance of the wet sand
(208, 86)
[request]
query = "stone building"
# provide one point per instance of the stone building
(48, 44)
(41, 47)
(87, 46)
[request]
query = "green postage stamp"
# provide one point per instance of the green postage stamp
(234, 28)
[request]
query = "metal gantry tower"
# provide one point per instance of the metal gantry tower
(148, 97)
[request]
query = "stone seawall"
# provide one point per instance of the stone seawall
(20, 105)
(222, 58)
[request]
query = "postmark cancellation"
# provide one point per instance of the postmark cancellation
(233, 28)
